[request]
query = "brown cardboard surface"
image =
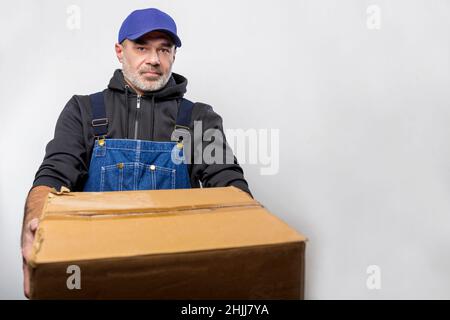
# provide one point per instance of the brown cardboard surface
(166, 244)
(261, 272)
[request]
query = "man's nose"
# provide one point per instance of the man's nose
(152, 57)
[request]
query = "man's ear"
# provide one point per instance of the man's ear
(119, 52)
(174, 53)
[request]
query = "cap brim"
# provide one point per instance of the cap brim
(172, 35)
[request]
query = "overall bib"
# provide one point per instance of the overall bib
(125, 164)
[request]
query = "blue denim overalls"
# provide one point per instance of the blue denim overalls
(125, 164)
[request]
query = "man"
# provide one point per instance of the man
(134, 135)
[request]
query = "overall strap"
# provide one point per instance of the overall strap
(184, 114)
(183, 122)
(99, 119)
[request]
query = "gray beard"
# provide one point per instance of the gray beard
(136, 79)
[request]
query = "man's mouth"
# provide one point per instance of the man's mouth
(151, 73)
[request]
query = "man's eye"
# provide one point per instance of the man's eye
(141, 48)
(164, 50)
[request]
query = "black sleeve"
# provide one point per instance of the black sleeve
(222, 174)
(65, 161)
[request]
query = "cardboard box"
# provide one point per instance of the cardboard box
(215, 243)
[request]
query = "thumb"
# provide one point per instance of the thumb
(33, 224)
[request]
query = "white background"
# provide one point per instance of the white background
(363, 116)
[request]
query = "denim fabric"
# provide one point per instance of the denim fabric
(124, 164)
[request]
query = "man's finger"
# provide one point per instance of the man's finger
(33, 224)
(26, 281)
(27, 246)
(29, 238)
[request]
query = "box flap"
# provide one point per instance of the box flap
(98, 203)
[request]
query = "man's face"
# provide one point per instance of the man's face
(147, 62)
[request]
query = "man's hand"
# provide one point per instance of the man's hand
(33, 209)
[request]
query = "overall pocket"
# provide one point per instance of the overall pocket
(153, 177)
(136, 176)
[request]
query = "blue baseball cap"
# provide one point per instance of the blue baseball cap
(140, 22)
